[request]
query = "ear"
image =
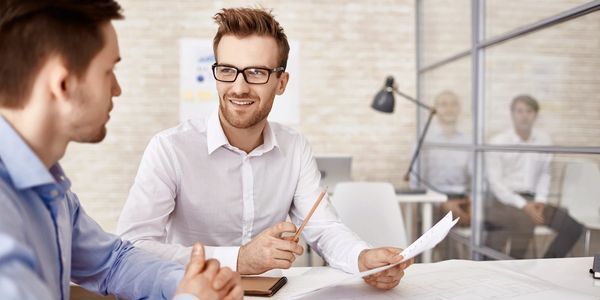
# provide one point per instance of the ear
(61, 81)
(282, 83)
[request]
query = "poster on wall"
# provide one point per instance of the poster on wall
(197, 89)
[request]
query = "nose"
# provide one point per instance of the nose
(240, 86)
(116, 87)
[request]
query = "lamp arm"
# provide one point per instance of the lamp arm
(420, 143)
(413, 100)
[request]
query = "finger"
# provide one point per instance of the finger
(211, 270)
(277, 229)
(231, 284)
(197, 261)
(285, 255)
(223, 278)
(386, 279)
(386, 286)
(288, 246)
(281, 263)
(236, 293)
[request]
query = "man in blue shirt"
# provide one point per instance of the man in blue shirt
(56, 86)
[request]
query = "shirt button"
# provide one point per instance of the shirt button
(54, 193)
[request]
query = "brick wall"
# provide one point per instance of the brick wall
(347, 49)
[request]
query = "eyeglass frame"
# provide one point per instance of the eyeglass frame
(242, 71)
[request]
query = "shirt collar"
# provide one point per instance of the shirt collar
(216, 138)
(24, 167)
(516, 139)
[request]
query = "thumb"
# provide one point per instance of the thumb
(394, 255)
(196, 264)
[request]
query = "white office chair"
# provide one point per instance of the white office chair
(581, 196)
(371, 210)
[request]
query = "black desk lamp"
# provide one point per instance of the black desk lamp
(384, 102)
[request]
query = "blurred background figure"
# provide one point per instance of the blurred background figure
(445, 170)
(519, 184)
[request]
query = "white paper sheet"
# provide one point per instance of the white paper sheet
(428, 240)
(455, 280)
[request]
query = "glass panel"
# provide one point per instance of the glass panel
(444, 36)
(448, 89)
(562, 77)
(503, 16)
(539, 204)
(448, 171)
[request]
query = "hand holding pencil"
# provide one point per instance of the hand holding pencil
(269, 250)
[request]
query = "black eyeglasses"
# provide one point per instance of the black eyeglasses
(252, 75)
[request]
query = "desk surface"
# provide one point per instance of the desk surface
(564, 278)
(429, 197)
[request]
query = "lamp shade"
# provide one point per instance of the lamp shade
(384, 100)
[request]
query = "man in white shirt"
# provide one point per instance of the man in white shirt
(231, 180)
(520, 182)
(446, 170)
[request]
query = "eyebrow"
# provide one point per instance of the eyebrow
(254, 66)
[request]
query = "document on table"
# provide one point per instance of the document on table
(428, 240)
(455, 280)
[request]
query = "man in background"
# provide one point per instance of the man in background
(519, 184)
(56, 86)
(231, 180)
(445, 170)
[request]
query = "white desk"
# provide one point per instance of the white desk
(426, 201)
(563, 278)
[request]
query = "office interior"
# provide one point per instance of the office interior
(484, 52)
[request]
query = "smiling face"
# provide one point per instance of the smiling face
(93, 92)
(244, 105)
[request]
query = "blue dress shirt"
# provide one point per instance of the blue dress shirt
(47, 240)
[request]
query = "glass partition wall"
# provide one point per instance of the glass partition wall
(517, 89)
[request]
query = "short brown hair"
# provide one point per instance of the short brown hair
(33, 30)
(527, 100)
(243, 22)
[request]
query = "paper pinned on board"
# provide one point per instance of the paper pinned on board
(427, 241)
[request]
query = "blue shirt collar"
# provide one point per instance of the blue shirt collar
(24, 167)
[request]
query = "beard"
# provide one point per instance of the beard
(247, 120)
(86, 131)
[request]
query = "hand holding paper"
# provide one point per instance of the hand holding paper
(427, 241)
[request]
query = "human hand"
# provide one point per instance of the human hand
(269, 250)
(373, 258)
(460, 208)
(206, 280)
(535, 210)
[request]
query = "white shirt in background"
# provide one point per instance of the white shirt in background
(510, 173)
(192, 185)
(446, 170)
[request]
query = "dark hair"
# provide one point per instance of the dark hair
(243, 22)
(33, 30)
(527, 100)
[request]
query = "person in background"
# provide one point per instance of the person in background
(519, 184)
(57, 82)
(445, 170)
(230, 180)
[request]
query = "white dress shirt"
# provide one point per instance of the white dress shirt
(510, 173)
(192, 185)
(446, 170)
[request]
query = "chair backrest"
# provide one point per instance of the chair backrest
(581, 189)
(371, 210)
